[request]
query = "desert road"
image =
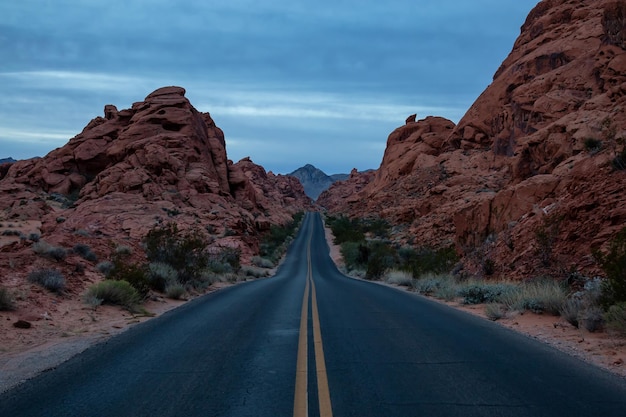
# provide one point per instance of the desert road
(312, 342)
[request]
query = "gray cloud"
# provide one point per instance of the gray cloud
(276, 76)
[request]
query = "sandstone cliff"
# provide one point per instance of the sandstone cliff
(534, 156)
(159, 161)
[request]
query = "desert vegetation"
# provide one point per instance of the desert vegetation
(592, 303)
(178, 262)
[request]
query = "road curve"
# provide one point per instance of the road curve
(312, 341)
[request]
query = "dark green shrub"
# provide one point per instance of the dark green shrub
(427, 260)
(345, 229)
(483, 293)
(114, 292)
(380, 258)
(545, 237)
(614, 265)
(354, 254)
(615, 318)
(274, 243)
(593, 145)
(55, 252)
(105, 267)
(184, 251)
(161, 275)
(134, 274)
(6, 301)
(85, 252)
(50, 279)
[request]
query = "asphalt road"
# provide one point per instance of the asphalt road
(312, 341)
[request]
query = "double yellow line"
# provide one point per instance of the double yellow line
(301, 403)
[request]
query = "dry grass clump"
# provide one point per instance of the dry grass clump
(401, 278)
(6, 300)
(50, 279)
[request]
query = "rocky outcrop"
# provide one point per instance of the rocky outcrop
(159, 161)
(535, 152)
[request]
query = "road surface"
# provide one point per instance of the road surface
(310, 341)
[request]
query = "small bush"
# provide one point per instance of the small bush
(6, 301)
(114, 292)
(262, 262)
(85, 252)
(131, 273)
(495, 311)
(34, 237)
(50, 279)
(482, 293)
(615, 318)
(105, 267)
(592, 319)
(380, 258)
(161, 276)
(593, 145)
(9, 232)
(255, 272)
(45, 249)
(123, 250)
(571, 311)
(542, 296)
(175, 291)
(399, 278)
(614, 266)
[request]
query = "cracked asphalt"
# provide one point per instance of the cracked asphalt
(387, 353)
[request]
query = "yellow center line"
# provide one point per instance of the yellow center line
(300, 408)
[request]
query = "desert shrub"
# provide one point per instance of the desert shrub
(34, 237)
(495, 311)
(161, 275)
(85, 252)
(571, 310)
(615, 318)
(255, 272)
(274, 243)
(262, 262)
(345, 229)
(134, 274)
(114, 292)
(541, 296)
(9, 232)
(545, 237)
(593, 145)
(123, 250)
(614, 265)
(50, 279)
(592, 319)
(175, 291)
(427, 260)
(376, 227)
(6, 300)
(399, 278)
(105, 267)
(380, 258)
(354, 254)
(184, 251)
(482, 293)
(45, 249)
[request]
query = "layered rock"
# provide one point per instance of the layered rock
(534, 151)
(159, 161)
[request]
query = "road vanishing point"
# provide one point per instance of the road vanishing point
(312, 342)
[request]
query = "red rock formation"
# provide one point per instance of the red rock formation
(520, 159)
(159, 161)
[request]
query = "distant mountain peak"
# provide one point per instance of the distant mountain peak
(314, 180)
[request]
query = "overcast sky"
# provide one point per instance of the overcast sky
(290, 82)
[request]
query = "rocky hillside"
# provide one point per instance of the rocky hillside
(532, 177)
(314, 180)
(159, 161)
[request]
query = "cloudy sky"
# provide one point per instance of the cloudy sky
(289, 81)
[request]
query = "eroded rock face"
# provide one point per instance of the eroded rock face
(534, 150)
(159, 161)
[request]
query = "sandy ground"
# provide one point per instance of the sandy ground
(600, 349)
(61, 330)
